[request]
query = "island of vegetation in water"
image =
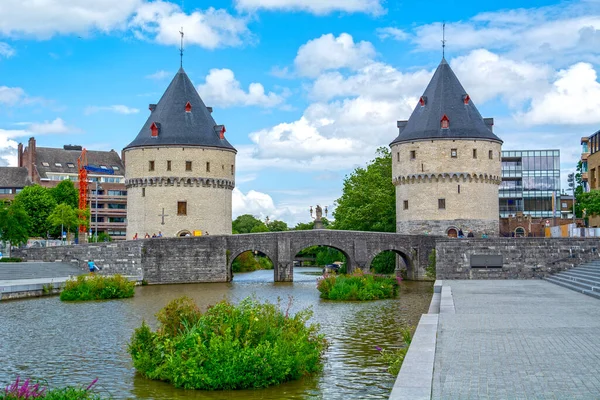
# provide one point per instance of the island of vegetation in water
(249, 345)
(358, 286)
(97, 287)
(28, 389)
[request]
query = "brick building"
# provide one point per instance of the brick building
(48, 166)
(12, 181)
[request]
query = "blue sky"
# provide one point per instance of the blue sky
(307, 89)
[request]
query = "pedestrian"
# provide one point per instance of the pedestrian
(135, 237)
(146, 236)
(92, 267)
(206, 233)
(470, 234)
(484, 235)
(460, 233)
(159, 234)
(153, 235)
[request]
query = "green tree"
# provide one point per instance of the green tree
(38, 203)
(14, 225)
(590, 201)
(277, 226)
(65, 217)
(260, 228)
(65, 193)
(368, 201)
(579, 206)
(245, 223)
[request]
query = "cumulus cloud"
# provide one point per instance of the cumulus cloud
(574, 98)
(329, 52)
(48, 18)
(222, 89)
(212, 28)
(117, 108)
(318, 7)
(11, 96)
(52, 127)
(6, 51)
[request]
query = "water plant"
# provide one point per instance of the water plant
(28, 389)
(248, 345)
(97, 287)
(358, 286)
(394, 358)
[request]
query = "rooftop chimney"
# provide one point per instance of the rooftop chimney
(152, 107)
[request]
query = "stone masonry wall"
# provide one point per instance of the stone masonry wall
(440, 227)
(114, 257)
(523, 258)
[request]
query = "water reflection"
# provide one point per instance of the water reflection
(73, 343)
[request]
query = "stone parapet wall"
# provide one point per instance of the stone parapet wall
(440, 228)
(523, 258)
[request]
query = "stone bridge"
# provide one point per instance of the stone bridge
(209, 258)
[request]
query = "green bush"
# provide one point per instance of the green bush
(97, 287)
(430, 269)
(11, 259)
(358, 286)
(249, 345)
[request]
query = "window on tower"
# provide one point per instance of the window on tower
(232, 169)
(182, 208)
(491, 154)
(474, 153)
(168, 165)
(207, 166)
(151, 165)
(453, 153)
(413, 154)
(442, 204)
(445, 122)
(406, 204)
(188, 165)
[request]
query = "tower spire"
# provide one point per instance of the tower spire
(444, 39)
(181, 48)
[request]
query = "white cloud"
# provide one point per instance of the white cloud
(52, 127)
(8, 147)
(11, 96)
(210, 29)
(159, 75)
(254, 203)
(6, 51)
(318, 7)
(117, 108)
(222, 89)
(328, 52)
(392, 33)
(573, 99)
(44, 19)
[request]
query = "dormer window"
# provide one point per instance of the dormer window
(188, 107)
(445, 122)
(423, 101)
(154, 129)
(220, 130)
(45, 164)
(57, 164)
(70, 165)
(466, 99)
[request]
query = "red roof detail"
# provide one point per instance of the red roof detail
(154, 129)
(445, 122)
(222, 133)
(422, 101)
(466, 99)
(188, 107)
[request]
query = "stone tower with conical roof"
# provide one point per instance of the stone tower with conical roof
(180, 168)
(446, 163)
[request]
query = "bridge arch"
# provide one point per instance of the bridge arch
(297, 247)
(405, 255)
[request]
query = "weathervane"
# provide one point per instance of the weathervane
(181, 47)
(444, 39)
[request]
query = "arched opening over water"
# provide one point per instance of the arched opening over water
(249, 260)
(326, 258)
(392, 261)
(183, 233)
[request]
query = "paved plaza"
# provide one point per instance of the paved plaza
(517, 339)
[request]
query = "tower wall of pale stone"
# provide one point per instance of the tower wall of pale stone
(208, 193)
(468, 185)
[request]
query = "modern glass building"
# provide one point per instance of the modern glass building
(530, 181)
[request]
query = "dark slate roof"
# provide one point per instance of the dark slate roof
(95, 158)
(14, 177)
(445, 96)
(176, 126)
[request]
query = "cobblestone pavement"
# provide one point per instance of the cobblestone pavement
(518, 339)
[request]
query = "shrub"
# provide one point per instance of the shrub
(97, 287)
(249, 345)
(430, 269)
(395, 358)
(358, 286)
(27, 389)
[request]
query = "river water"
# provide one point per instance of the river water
(74, 343)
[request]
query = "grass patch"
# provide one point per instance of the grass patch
(97, 287)
(358, 286)
(11, 259)
(395, 358)
(28, 389)
(249, 345)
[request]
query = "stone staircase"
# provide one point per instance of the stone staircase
(583, 279)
